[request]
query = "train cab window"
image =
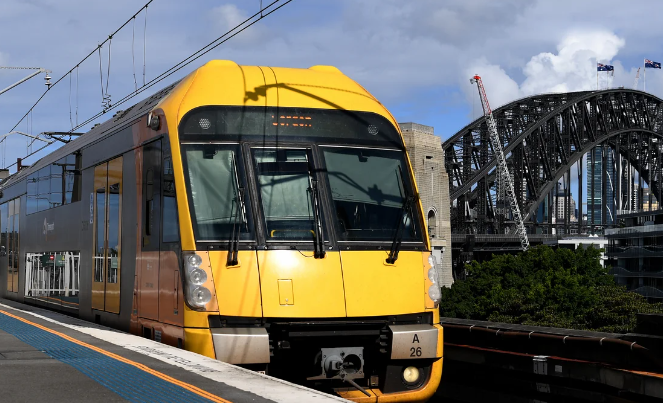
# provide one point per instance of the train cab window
(217, 193)
(169, 219)
(369, 188)
(284, 182)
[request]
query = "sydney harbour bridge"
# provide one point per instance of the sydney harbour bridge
(545, 138)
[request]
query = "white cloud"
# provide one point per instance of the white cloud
(228, 16)
(499, 86)
(572, 68)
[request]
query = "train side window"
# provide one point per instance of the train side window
(169, 217)
(113, 232)
(55, 185)
(149, 198)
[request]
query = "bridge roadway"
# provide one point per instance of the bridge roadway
(47, 356)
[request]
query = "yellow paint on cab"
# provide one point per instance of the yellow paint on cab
(317, 284)
(237, 287)
(374, 288)
(199, 341)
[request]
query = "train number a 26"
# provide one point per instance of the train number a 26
(415, 351)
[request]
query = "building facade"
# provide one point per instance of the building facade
(427, 158)
(601, 172)
(635, 252)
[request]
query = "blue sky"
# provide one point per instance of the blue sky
(415, 56)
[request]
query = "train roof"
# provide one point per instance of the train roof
(120, 119)
(224, 82)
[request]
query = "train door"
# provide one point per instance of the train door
(9, 250)
(108, 235)
(169, 257)
(148, 287)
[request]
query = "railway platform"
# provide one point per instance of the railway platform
(47, 356)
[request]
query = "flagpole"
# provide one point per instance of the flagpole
(597, 76)
(644, 83)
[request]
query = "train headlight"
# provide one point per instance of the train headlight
(432, 275)
(200, 296)
(434, 292)
(197, 295)
(194, 260)
(411, 375)
(198, 277)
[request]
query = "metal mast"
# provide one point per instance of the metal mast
(502, 175)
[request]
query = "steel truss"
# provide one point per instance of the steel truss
(543, 136)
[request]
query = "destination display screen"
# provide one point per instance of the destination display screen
(296, 124)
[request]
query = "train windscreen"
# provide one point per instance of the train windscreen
(215, 181)
(369, 189)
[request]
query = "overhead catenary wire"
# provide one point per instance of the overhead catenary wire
(79, 63)
(193, 57)
(248, 22)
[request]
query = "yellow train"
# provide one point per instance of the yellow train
(266, 217)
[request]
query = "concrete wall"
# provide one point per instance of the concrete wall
(427, 157)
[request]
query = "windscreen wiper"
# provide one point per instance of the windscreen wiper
(233, 246)
(318, 242)
(406, 209)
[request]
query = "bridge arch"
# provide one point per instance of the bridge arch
(543, 137)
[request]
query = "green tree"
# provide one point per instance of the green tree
(545, 287)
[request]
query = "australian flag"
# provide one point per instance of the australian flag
(652, 65)
(605, 67)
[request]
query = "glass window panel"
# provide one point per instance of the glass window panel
(212, 180)
(68, 197)
(69, 181)
(99, 242)
(8, 218)
(170, 224)
(368, 194)
(32, 205)
(32, 184)
(283, 181)
(4, 226)
(56, 179)
(44, 186)
(17, 209)
(43, 202)
(55, 200)
(113, 232)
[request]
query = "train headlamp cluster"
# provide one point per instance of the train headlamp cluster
(197, 295)
(434, 292)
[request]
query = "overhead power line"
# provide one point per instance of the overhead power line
(248, 22)
(99, 46)
(194, 56)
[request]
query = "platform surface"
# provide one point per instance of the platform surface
(47, 356)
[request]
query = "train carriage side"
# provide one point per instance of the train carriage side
(68, 237)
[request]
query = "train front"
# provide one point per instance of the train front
(304, 252)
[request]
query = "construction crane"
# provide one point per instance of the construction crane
(637, 78)
(502, 175)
